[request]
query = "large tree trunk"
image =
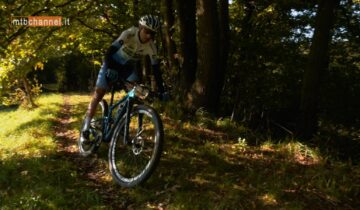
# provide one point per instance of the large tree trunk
(206, 91)
(167, 10)
(317, 63)
(188, 52)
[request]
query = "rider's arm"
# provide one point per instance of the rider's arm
(109, 53)
(115, 46)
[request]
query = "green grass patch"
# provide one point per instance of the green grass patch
(28, 133)
(33, 175)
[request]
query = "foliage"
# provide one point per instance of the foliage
(93, 25)
(265, 74)
(341, 94)
(18, 95)
(264, 77)
(71, 72)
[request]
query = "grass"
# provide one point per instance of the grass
(206, 164)
(28, 133)
(32, 174)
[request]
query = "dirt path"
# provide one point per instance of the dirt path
(66, 137)
(89, 168)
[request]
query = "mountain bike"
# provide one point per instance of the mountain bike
(134, 131)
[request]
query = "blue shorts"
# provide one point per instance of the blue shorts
(128, 73)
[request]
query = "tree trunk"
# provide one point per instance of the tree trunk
(224, 42)
(28, 92)
(317, 63)
(188, 52)
(206, 91)
(167, 10)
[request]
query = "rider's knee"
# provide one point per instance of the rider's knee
(99, 94)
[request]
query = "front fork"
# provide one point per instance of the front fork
(127, 123)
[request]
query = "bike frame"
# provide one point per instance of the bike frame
(111, 123)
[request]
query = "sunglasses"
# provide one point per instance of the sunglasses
(150, 32)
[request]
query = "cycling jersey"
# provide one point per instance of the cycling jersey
(125, 49)
(129, 47)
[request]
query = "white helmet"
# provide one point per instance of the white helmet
(151, 22)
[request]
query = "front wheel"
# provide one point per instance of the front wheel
(96, 131)
(133, 163)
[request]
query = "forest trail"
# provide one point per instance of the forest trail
(89, 168)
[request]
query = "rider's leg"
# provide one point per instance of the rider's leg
(100, 90)
(97, 96)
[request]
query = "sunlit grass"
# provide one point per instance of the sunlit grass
(33, 175)
(268, 199)
(29, 132)
(294, 151)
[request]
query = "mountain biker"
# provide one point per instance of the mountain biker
(120, 60)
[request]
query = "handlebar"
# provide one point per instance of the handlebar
(140, 91)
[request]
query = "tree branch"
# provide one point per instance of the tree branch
(109, 21)
(56, 6)
(96, 29)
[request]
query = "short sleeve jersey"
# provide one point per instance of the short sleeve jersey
(131, 49)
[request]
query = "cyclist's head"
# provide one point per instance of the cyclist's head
(150, 22)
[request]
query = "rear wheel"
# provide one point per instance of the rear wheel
(133, 163)
(95, 131)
